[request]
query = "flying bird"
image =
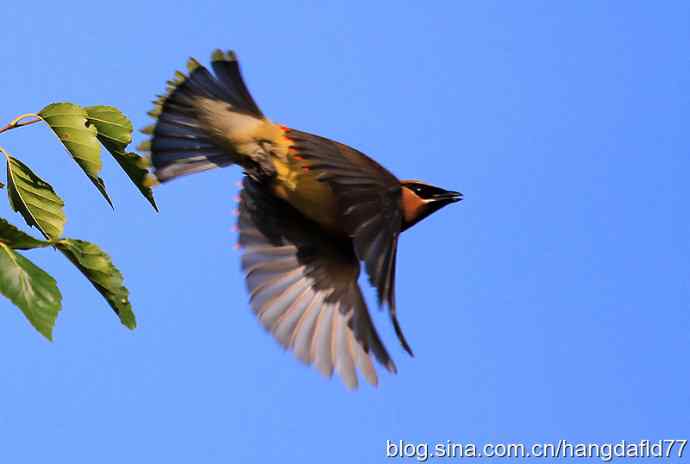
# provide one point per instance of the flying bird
(310, 212)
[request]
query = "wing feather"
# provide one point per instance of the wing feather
(369, 199)
(303, 288)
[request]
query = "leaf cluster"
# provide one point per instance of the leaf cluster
(82, 131)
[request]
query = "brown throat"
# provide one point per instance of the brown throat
(412, 205)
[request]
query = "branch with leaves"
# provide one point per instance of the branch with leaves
(81, 131)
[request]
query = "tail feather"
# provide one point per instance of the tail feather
(195, 115)
(227, 70)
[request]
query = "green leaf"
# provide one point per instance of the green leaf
(69, 122)
(115, 133)
(29, 287)
(96, 266)
(18, 240)
(34, 199)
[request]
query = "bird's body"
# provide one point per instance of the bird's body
(311, 210)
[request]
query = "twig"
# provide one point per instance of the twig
(17, 122)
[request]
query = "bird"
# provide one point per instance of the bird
(312, 213)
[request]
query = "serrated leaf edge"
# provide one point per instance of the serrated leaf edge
(12, 185)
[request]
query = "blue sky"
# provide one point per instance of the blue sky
(552, 303)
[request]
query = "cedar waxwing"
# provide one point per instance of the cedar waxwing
(310, 211)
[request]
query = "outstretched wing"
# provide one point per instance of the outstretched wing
(303, 288)
(369, 199)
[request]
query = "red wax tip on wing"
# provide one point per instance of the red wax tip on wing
(236, 198)
(236, 246)
(285, 129)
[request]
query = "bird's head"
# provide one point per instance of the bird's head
(420, 199)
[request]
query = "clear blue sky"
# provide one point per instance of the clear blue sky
(552, 303)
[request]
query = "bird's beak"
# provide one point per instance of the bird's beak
(433, 204)
(447, 197)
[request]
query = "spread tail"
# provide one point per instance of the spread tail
(202, 120)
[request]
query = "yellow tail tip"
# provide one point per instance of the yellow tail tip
(219, 55)
(148, 130)
(144, 146)
(192, 64)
